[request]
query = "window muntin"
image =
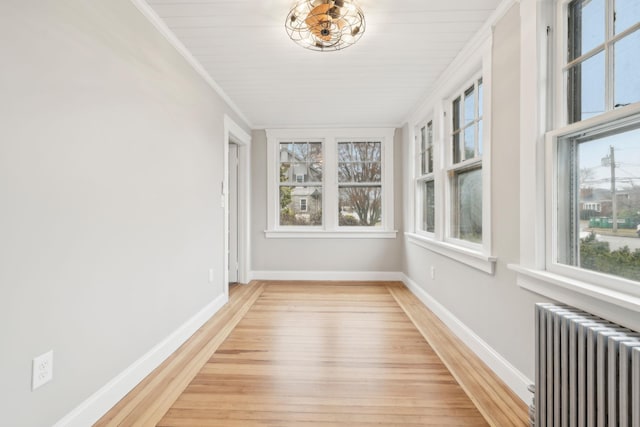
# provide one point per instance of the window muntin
(598, 203)
(465, 173)
(601, 71)
(300, 162)
(360, 183)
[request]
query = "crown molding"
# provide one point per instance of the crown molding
(173, 40)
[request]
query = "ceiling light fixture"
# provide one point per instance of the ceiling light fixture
(325, 24)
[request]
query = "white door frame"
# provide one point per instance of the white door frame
(234, 134)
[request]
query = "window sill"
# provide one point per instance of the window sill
(321, 234)
(466, 256)
(616, 306)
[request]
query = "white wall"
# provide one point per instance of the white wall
(313, 255)
(110, 169)
(492, 306)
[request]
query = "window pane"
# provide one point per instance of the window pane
(468, 209)
(627, 14)
(315, 152)
(428, 207)
(456, 114)
(344, 152)
(291, 205)
(627, 69)
(457, 149)
(300, 151)
(586, 26)
(585, 88)
(360, 206)
(286, 152)
(469, 142)
(469, 106)
(285, 172)
(602, 233)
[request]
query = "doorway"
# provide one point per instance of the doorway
(237, 149)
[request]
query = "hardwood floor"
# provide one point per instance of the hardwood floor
(321, 354)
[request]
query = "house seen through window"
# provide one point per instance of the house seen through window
(301, 181)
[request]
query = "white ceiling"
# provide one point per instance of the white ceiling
(244, 47)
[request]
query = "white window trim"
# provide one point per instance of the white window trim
(537, 96)
(330, 227)
(474, 62)
(305, 205)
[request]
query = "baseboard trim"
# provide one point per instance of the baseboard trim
(511, 376)
(328, 275)
(92, 409)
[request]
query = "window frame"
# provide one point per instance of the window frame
(544, 29)
(330, 189)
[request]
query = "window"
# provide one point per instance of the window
(575, 93)
(594, 198)
(360, 183)
(300, 162)
(465, 171)
(331, 182)
(426, 179)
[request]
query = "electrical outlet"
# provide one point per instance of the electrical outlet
(42, 370)
(211, 277)
(433, 273)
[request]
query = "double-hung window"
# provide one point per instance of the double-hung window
(426, 178)
(360, 183)
(330, 183)
(593, 167)
(465, 170)
(300, 167)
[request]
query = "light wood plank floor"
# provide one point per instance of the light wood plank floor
(322, 354)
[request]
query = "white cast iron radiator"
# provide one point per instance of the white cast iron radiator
(587, 370)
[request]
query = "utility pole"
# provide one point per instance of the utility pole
(614, 198)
